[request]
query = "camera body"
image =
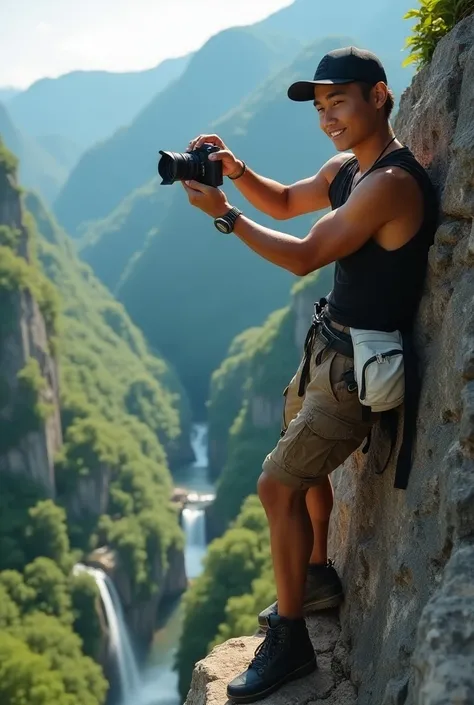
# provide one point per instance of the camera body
(194, 165)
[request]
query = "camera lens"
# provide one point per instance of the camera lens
(177, 166)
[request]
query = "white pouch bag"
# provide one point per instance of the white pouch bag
(379, 368)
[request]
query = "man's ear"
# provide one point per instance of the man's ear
(380, 94)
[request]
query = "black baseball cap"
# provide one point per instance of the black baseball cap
(344, 65)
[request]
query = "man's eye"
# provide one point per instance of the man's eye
(336, 102)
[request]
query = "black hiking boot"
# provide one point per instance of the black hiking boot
(323, 590)
(285, 654)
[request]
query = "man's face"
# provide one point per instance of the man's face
(344, 114)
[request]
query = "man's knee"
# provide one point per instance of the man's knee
(273, 493)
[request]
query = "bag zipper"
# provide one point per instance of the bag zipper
(379, 358)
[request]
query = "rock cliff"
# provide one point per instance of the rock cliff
(27, 366)
(406, 557)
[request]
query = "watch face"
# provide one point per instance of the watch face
(222, 225)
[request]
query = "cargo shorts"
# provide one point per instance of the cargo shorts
(321, 429)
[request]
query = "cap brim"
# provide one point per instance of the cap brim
(304, 90)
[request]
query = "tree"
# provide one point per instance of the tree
(84, 597)
(26, 678)
(46, 534)
(51, 589)
(9, 612)
(82, 678)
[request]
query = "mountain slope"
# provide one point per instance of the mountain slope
(99, 342)
(6, 94)
(39, 170)
(228, 67)
(88, 106)
(65, 151)
(112, 245)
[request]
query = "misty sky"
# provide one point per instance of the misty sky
(51, 37)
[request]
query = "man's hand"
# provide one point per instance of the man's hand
(231, 166)
(211, 200)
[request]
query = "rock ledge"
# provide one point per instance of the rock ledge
(329, 685)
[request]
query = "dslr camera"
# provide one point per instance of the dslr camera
(194, 165)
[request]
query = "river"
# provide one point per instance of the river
(160, 683)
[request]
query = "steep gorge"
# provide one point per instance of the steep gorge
(90, 422)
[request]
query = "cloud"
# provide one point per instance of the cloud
(44, 28)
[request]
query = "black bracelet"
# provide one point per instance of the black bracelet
(244, 169)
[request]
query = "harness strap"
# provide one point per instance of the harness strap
(337, 340)
(412, 400)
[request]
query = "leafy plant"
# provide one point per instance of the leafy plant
(435, 18)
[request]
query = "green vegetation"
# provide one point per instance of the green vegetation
(8, 165)
(434, 19)
(105, 362)
(112, 245)
(124, 417)
(49, 629)
(227, 395)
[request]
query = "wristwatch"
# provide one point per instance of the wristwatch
(225, 224)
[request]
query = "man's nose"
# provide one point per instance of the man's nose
(328, 120)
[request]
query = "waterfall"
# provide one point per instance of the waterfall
(119, 639)
(195, 532)
(199, 445)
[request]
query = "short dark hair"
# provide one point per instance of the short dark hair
(389, 103)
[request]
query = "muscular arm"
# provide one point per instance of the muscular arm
(375, 202)
(284, 202)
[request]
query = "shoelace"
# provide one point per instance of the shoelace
(266, 649)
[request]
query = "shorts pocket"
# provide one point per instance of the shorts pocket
(338, 366)
(329, 426)
(304, 455)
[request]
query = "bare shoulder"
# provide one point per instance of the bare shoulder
(333, 165)
(394, 182)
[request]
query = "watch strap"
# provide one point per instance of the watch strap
(230, 217)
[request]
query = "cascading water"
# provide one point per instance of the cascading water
(194, 527)
(119, 640)
(199, 445)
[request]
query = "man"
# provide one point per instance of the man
(378, 233)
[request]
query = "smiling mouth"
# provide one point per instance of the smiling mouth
(336, 133)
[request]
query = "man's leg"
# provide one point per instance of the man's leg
(319, 501)
(286, 652)
(291, 537)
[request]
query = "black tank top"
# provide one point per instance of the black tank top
(375, 288)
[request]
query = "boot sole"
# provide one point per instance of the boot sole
(310, 607)
(299, 673)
